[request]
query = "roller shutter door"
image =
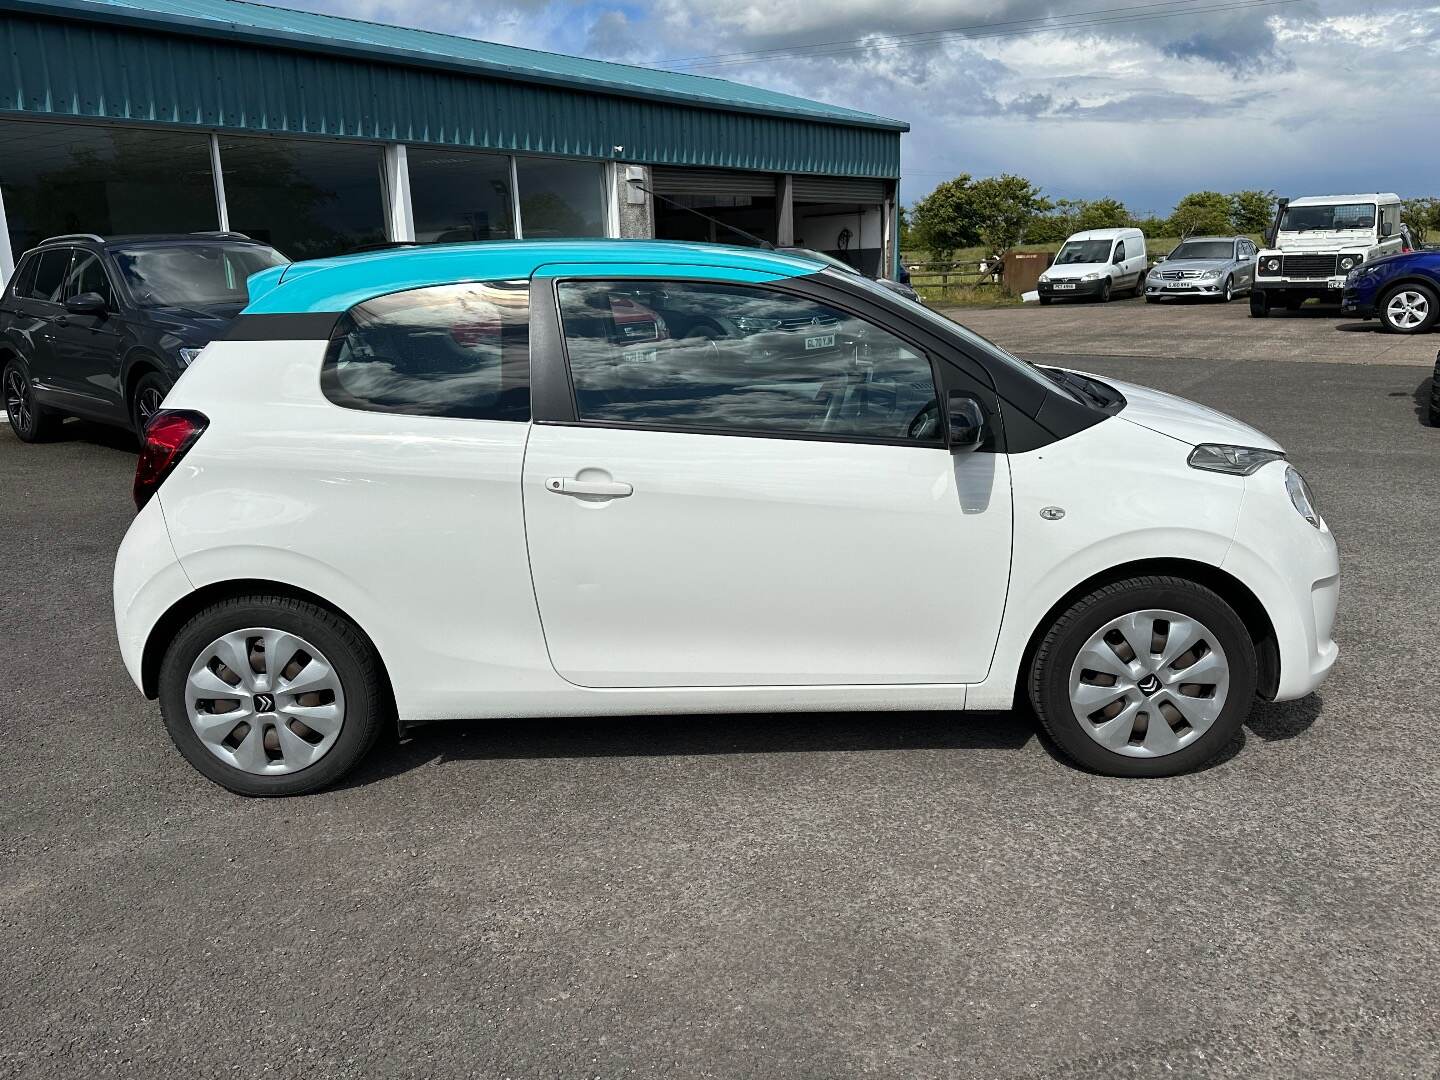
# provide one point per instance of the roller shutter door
(838, 189)
(671, 181)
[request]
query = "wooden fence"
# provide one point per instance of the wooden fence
(943, 276)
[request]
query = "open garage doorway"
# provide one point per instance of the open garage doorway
(745, 201)
(844, 218)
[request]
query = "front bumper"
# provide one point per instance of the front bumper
(1355, 302)
(1077, 288)
(1323, 287)
(1189, 287)
(1293, 569)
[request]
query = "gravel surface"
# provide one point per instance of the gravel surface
(914, 895)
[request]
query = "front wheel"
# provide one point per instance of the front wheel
(1150, 676)
(1046, 300)
(1105, 292)
(1227, 292)
(269, 695)
(1259, 304)
(1409, 309)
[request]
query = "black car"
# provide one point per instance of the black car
(102, 328)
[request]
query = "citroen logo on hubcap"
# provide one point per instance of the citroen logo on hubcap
(266, 702)
(1148, 685)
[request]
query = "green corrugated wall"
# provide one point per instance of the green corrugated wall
(54, 68)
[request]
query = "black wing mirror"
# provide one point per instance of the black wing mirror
(967, 422)
(86, 303)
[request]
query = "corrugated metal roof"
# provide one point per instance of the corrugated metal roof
(280, 27)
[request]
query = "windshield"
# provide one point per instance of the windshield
(1204, 249)
(1083, 251)
(971, 338)
(193, 275)
(1334, 216)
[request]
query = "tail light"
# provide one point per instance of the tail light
(168, 436)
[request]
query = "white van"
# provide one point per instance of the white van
(1098, 263)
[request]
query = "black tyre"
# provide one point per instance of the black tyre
(1105, 292)
(1150, 676)
(1140, 283)
(1045, 301)
(1409, 308)
(1227, 291)
(146, 397)
(269, 695)
(31, 421)
(1259, 304)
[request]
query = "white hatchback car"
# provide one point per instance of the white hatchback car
(537, 479)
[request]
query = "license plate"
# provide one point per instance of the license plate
(639, 356)
(820, 341)
(1059, 287)
(1336, 283)
(1178, 285)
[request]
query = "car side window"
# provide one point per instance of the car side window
(52, 268)
(1119, 251)
(87, 275)
(23, 279)
(740, 360)
(450, 350)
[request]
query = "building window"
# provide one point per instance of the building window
(459, 196)
(76, 178)
(560, 198)
(307, 198)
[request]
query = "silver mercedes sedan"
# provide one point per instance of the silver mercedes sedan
(1218, 267)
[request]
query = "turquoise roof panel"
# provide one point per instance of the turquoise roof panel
(237, 20)
(338, 284)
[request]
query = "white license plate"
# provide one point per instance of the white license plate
(820, 341)
(1178, 285)
(1066, 286)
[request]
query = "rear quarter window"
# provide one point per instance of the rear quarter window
(459, 351)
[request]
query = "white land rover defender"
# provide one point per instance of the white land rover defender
(1316, 241)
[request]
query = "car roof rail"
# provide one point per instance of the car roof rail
(70, 238)
(221, 233)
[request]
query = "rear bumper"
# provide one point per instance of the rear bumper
(148, 582)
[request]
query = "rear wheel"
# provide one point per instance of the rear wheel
(1150, 676)
(268, 695)
(31, 421)
(1409, 309)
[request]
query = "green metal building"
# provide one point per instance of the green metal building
(322, 134)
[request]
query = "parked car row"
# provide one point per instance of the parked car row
(1349, 250)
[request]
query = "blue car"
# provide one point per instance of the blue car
(1402, 291)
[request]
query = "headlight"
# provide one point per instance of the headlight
(187, 356)
(1350, 262)
(1270, 265)
(1210, 275)
(1092, 277)
(1300, 496)
(750, 325)
(1236, 460)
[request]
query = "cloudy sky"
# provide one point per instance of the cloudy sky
(1144, 102)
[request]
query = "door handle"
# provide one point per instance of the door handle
(609, 489)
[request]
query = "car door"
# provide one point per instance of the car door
(766, 500)
(36, 311)
(86, 348)
(1245, 270)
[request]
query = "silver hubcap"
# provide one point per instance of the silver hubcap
(17, 400)
(1149, 683)
(265, 701)
(1407, 309)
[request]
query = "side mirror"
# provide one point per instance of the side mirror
(1385, 229)
(86, 303)
(1161, 258)
(967, 422)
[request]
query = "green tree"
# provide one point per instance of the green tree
(1003, 206)
(1101, 214)
(1199, 213)
(1422, 215)
(944, 220)
(1252, 211)
(907, 240)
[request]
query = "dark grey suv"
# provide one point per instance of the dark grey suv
(101, 328)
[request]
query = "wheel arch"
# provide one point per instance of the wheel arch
(1224, 584)
(192, 603)
(1392, 284)
(139, 362)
